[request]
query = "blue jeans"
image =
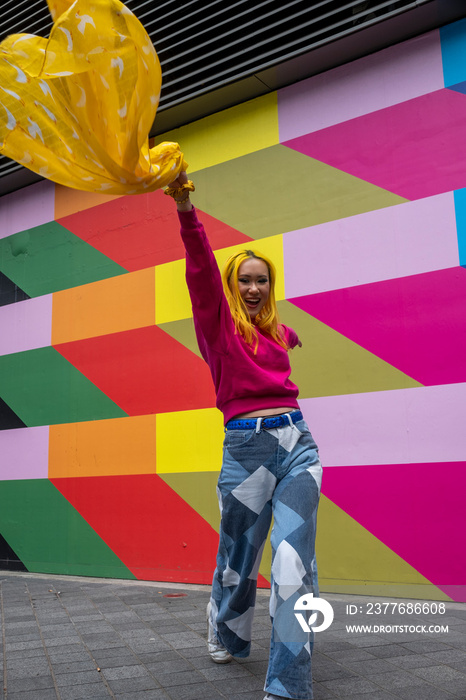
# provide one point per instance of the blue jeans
(271, 472)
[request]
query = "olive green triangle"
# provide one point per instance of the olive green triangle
(351, 560)
(329, 364)
(277, 189)
(199, 490)
(182, 331)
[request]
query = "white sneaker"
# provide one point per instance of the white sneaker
(218, 653)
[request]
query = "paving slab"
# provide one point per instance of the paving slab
(73, 638)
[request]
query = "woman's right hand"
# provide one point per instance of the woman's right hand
(182, 179)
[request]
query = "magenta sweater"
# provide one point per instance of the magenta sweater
(243, 381)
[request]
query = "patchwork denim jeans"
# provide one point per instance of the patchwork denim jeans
(271, 472)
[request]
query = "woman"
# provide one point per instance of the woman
(270, 460)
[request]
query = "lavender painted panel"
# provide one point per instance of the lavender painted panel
(374, 82)
(404, 426)
(26, 325)
(24, 453)
(399, 241)
(28, 207)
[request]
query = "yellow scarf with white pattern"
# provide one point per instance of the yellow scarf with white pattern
(77, 107)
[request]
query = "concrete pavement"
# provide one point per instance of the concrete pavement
(68, 638)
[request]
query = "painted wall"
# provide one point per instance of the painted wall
(354, 182)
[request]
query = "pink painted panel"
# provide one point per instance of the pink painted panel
(26, 325)
(417, 324)
(414, 149)
(27, 207)
(374, 82)
(406, 239)
(24, 453)
(415, 509)
(403, 426)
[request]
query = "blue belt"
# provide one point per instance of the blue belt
(266, 423)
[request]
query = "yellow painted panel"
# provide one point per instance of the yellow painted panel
(108, 306)
(69, 201)
(189, 441)
(229, 134)
(172, 301)
(103, 447)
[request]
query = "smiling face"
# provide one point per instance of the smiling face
(254, 284)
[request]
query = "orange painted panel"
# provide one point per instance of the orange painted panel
(119, 446)
(108, 306)
(68, 201)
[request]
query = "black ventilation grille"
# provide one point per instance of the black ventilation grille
(24, 16)
(204, 45)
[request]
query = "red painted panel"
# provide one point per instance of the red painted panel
(143, 371)
(142, 231)
(157, 535)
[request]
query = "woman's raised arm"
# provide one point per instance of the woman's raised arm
(179, 189)
(210, 307)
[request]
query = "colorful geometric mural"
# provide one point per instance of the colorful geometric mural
(354, 183)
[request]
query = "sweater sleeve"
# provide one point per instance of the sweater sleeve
(291, 337)
(210, 308)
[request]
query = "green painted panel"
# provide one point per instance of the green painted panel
(329, 364)
(50, 536)
(48, 258)
(43, 388)
(278, 190)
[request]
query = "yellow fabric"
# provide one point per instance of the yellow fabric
(77, 107)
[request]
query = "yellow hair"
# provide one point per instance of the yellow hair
(267, 319)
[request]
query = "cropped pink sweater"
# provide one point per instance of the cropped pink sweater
(243, 381)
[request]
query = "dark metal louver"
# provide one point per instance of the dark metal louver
(24, 16)
(206, 46)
